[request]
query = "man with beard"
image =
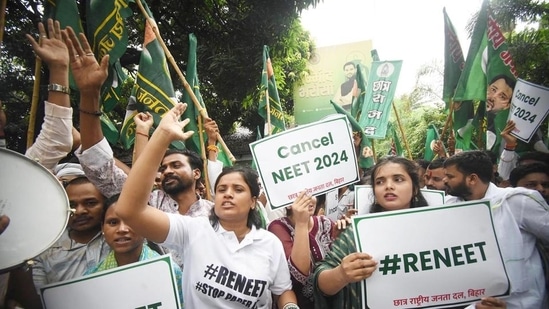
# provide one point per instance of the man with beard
(520, 217)
(434, 175)
(348, 89)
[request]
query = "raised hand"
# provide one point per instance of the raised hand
(171, 126)
(510, 140)
(210, 126)
(50, 46)
(88, 74)
(143, 122)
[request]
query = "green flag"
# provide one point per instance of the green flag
(269, 96)
(396, 146)
(489, 40)
(111, 92)
(430, 137)
(453, 60)
(366, 154)
(108, 35)
(153, 90)
(109, 129)
(489, 69)
(362, 83)
(191, 112)
(379, 95)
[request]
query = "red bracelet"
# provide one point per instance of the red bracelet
(143, 134)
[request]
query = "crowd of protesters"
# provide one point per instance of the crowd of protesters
(295, 257)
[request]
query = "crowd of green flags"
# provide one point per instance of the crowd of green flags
(465, 82)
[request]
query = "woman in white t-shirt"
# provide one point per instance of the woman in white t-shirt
(229, 261)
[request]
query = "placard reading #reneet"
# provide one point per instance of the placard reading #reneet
(432, 256)
(146, 284)
(316, 157)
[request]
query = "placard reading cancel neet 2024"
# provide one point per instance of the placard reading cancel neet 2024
(316, 157)
(528, 109)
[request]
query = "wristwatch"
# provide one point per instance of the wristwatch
(59, 88)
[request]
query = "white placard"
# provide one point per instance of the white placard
(332, 201)
(316, 157)
(364, 198)
(529, 107)
(148, 284)
(432, 256)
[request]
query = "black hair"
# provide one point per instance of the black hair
(511, 82)
(349, 63)
(524, 170)
(251, 179)
(422, 163)
(534, 156)
(195, 161)
(411, 168)
(320, 203)
(436, 163)
(472, 162)
(107, 204)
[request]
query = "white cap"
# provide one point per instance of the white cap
(68, 169)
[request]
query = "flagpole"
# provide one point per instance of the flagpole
(448, 120)
(34, 102)
(268, 107)
(204, 158)
(202, 110)
(2, 21)
(402, 132)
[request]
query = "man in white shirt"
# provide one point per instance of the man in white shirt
(520, 217)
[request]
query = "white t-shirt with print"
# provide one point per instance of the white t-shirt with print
(220, 272)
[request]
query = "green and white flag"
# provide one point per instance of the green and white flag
(106, 28)
(153, 90)
(453, 60)
(380, 91)
(488, 59)
(430, 137)
(269, 96)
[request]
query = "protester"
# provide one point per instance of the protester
(520, 217)
(395, 182)
(55, 139)
(81, 244)
(230, 244)
(534, 176)
(434, 175)
(126, 246)
(422, 167)
(306, 239)
(510, 158)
